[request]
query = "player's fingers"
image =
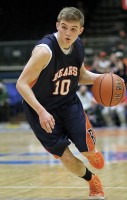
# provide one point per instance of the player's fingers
(53, 121)
(48, 128)
(51, 124)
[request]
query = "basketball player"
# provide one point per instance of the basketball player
(48, 86)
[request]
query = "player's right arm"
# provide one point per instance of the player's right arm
(37, 62)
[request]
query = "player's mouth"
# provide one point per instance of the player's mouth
(68, 39)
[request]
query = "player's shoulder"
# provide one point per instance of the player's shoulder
(41, 50)
(79, 46)
(79, 41)
(47, 39)
(43, 46)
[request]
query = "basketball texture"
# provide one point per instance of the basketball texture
(109, 89)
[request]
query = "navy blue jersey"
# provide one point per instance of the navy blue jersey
(57, 83)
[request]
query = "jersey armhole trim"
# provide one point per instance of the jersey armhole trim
(47, 47)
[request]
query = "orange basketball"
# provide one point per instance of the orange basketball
(109, 89)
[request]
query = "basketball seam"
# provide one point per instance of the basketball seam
(100, 90)
(112, 90)
(122, 91)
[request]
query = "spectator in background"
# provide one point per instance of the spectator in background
(4, 103)
(102, 63)
(123, 41)
(85, 97)
(116, 115)
(122, 36)
(117, 43)
(118, 66)
(90, 106)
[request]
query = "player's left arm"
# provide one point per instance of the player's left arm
(86, 77)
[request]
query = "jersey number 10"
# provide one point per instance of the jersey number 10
(62, 87)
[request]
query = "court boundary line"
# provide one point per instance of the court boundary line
(57, 187)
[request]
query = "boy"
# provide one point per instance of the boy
(48, 86)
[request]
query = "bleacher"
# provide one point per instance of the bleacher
(107, 19)
(14, 55)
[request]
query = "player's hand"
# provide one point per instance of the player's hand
(47, 121)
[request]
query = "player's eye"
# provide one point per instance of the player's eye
(64, 27)
(74, 29)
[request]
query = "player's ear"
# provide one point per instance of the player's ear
(81, 30)
(57, 25)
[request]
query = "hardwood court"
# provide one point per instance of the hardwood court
(27, 171)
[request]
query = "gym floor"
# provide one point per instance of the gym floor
(28, 171)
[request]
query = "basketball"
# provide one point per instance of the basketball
(109, 89)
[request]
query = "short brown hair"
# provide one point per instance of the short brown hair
(71, 14)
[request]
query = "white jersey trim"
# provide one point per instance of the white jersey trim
(47, 47)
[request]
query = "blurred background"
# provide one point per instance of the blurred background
(22, 24)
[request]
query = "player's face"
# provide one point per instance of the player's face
(68, 32)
